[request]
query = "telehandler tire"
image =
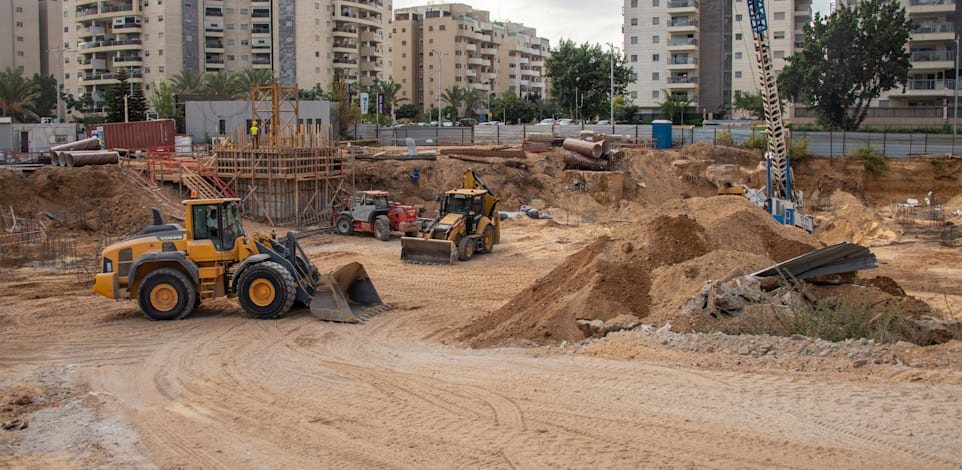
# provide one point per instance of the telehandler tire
(266, 290)
(166, 294)
(382, 228)
(345, 226)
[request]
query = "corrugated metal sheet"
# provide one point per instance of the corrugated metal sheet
(839, 258)
(140, 134)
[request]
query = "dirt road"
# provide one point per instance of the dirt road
(110, 389)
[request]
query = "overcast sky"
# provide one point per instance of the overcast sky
(592, 21)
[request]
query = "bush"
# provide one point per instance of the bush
(798, 148)
(873, 161)
(724, 138)
(758, 140)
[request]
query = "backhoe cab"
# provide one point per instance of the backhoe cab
(170, 269)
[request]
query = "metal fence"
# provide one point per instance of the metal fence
(825, 144)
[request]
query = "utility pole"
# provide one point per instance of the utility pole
(59, 52)
(611, 79)
(438, 54)
(955, 91)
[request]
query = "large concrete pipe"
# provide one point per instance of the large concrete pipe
(582, 162)
(588, 149)
(91, 157)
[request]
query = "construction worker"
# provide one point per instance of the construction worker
(254, 131)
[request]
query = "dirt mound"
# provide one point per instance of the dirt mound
(844, 217)
(84, 201)
(622, 274)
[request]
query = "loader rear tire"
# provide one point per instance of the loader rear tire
(382, 228)
(166, 294)
(345, 224)
(266, 290)
(466, 248)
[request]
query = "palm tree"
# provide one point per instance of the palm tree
(472, 98)
(247, 79)
(454, 96)
(17, 95)
(186, 82)
(389, 89)
(221, 84)
(675, 105)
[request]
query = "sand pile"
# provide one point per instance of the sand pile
(846, 218)
(667, 255)
(84, 201)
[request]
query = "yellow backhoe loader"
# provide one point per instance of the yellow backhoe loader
(467, 223)
(170, 269)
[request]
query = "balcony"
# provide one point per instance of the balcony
(537, 84)
(471, 48)
(530, 73)
(682, 82)
(214, 12)
(475, 61)
(128, 61)
(933, 60)
(537, 63)
(917, 7)
(93, 64)
(109, 45)
(471, 73)
(345, 47)
(682, 25)
(677, 44)
(344, 31)
(682, 62)
(371, 51)
(523, 60)
(260, 13)
(934, 32)
(682, 6)
(214, 47)
(91, 14)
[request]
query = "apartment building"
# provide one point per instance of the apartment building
(703, 49)
(440, 46)
(932, 80)
(20, 20)
(305, 42)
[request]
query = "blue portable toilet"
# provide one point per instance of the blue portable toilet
(661, 132)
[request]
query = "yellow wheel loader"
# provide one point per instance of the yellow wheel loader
(170, 269)
(467, 223)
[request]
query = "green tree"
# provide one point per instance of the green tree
(454, 96)
(222, 84)
(675, 105)
(752, 103)
(186, 82)
(585, 71)
(406, 111)
(849, 58)
(315, 93)
(390, 89)
(45, 103)
(115, 97)
(248, 78)
(85, 106)
(513, 108)
(163, 100)
(473, 98)
(346, 113)
(17, 95)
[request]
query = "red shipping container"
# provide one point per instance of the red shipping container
(139, 134)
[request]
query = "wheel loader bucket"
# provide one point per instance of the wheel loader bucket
(424, 251)
(346, 295)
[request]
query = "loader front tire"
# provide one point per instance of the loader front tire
(166, 294)
(466, 248)
(266, 290)
(382, 228)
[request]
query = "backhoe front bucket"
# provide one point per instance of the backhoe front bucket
(346, 295)
(425, 251)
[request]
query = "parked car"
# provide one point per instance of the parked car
(546, 122)
(565, 122)
(467, 122)
(490, 123)
(604, 123)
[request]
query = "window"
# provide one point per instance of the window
(654, 94)
(779, 15)
(230, 26)
(245, 42)
(738, 74)
(160, 18)
(738, 56)
(441, 28)
(430, 28)
(738, 36)
(19, 10)
(231, 57)
(738, 17)
(243, 11)
(20, 25)
(655, 57)
(654, 3)
(66, 29)
(634, 21)
(160, 35)
(655, 20)
(655, 76)
(160, 52)
(244, 26)
(779, 54)
(19, 38)
(634, 40)
(655, 39)
(634, 3)
(778, 35)
(634, 57)
(634, 95)
(404, 43)
(230, 42)
(160, 69)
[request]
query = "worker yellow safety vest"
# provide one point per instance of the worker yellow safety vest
(254, 130)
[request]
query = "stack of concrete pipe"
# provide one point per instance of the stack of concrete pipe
(81, 153)
(585, 155)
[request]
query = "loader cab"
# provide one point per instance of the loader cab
(218, 221)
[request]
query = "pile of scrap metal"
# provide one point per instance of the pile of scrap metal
(82, 153)
(587, 155)
(536, 142)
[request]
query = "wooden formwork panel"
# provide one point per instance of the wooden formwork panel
(283, 201)
(296, 163)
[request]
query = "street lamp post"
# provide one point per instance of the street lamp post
(955, 91)
(438, 54)
(611, 79)
(59, 51)
(490, 84)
